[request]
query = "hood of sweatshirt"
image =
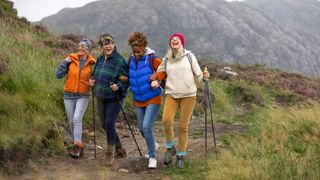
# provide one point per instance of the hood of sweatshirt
(183, 52)
(149, 51)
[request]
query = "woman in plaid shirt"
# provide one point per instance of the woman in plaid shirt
(110, 92)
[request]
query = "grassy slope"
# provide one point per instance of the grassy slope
(287, 147)
(282, 142)
(30, 95)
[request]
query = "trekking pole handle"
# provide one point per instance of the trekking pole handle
(205, 71)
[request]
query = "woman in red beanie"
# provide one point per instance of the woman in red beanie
(179, 67)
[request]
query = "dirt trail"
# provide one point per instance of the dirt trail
(133, 166)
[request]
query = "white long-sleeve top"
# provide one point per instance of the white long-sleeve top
(180, 81)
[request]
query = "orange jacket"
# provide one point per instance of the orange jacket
(78, 80)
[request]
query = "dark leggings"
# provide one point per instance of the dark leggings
(108, 111)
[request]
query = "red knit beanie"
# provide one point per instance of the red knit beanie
(179, 35)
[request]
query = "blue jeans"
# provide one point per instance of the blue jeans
(146, 118)
(108, 111)
(75, 110)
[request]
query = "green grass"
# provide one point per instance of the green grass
(6, 8)
(286, 148)
(194, 169)
(31, 112)
(281, 142)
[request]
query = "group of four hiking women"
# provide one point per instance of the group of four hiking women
(143, 72)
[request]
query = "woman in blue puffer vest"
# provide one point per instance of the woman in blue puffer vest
(142, 64)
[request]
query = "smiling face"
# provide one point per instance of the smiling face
(138, 51)
(82, 51)
(107, 48)
(175, 43)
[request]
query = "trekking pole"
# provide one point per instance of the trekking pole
(208, 93)
(127, 120)
(134, 138)
(93, 70)
(94, 125)
(205, 123)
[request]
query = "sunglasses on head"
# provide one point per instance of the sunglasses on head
(82, 46)
(107, 42)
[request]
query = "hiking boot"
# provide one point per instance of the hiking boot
(179, 161)
(169, 155)
(109, 157)
(76, 151)
(120, 153)
(156, 147)
(152, 163)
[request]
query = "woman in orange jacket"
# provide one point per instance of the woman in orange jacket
(77, 69)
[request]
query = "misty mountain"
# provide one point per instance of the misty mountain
(278, 33)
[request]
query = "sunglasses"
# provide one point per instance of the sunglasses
(136, 52)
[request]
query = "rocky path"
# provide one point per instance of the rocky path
(132, 167)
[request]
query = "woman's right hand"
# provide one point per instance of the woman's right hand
(92, 82)
(68, 59)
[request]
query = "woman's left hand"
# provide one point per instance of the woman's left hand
(123, 78)
(206, 75)
(154, 84)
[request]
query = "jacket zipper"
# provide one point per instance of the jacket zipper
(79, 77)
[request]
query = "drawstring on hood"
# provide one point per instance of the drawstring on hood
(182, 52)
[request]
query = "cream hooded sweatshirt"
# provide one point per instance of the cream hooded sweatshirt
(180, 74)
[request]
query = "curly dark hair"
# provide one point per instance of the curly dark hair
(137, 39)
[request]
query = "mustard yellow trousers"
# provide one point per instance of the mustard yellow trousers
(171, 106)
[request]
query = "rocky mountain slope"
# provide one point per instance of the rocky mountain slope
(278, 33)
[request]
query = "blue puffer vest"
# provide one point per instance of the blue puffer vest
(140, 84)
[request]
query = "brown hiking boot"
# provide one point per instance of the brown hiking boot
(121, 153)
(110, 157)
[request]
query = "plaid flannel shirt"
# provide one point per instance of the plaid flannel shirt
(107, 71)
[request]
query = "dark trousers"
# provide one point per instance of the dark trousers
(108, 111)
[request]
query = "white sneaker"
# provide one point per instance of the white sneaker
(156, 147)
(152, 163)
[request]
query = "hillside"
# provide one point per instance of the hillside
(267, 121)
(30, 97)
(277, 33)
